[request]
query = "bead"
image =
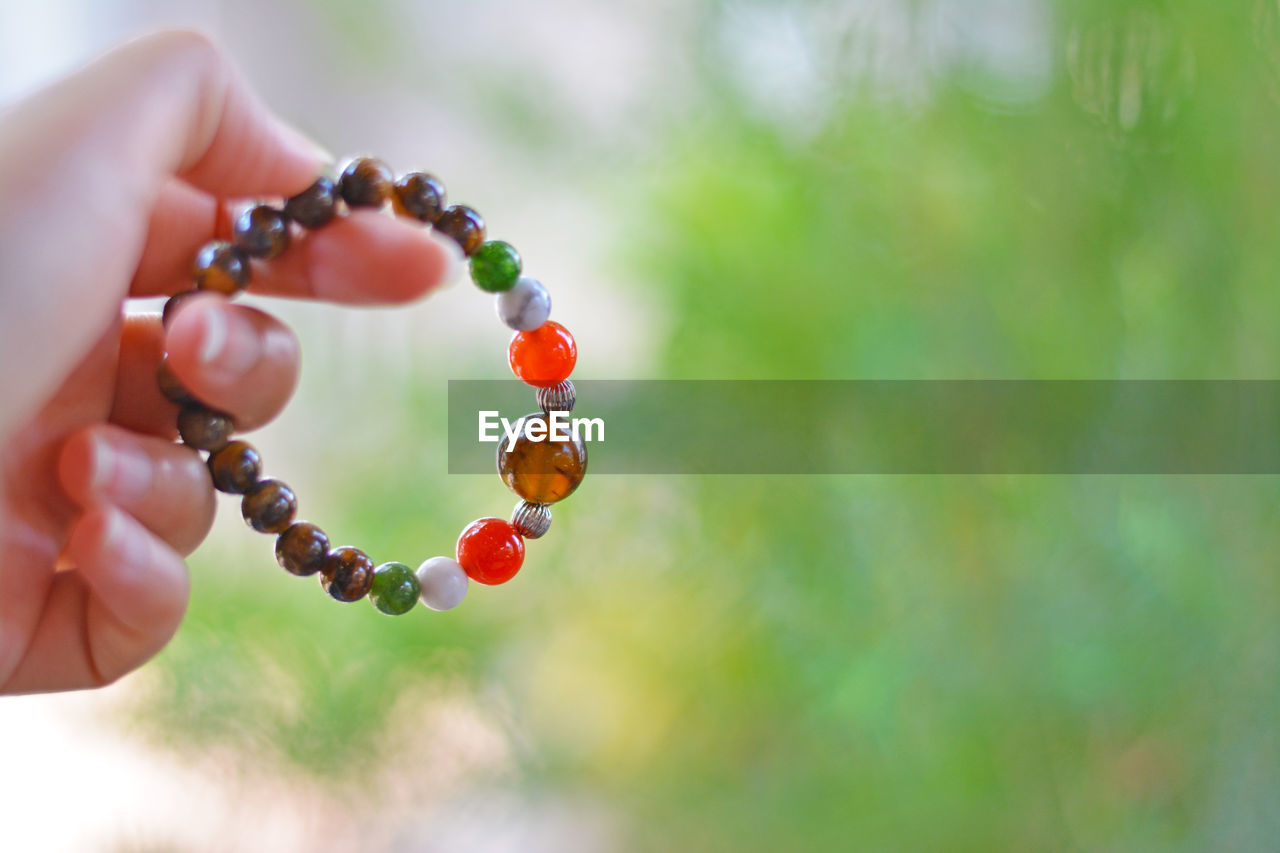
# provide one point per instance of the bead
(490, 551)
(347, 573)
(302, 549)
(464, 225)
(531, 520)
(525, 306)
(495, 266)
(203, 428)
(172, 304)
(419, 195)
(394, 589)
(557, 398)
(221, 267)
(269, 506)
(543, 357)
(169, 385)
(314, 206)
(444, 583)
(366, 182)
(262, 231)
(542, 471)
(235, 468)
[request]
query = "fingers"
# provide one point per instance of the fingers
(138, 404)
(81, 162)
(234, 358)
(165, 486)
(113, 612)
(362, 258)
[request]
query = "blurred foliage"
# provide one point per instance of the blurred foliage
(919, 663)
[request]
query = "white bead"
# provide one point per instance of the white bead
(443, 582)
(524, 306)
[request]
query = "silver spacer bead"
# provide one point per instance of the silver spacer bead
(531, 520)
(557, 398)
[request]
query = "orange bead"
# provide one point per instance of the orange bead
(490, 551)
(543, 357)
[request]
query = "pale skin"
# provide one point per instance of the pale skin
(109, 183)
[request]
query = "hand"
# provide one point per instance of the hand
(109, 182)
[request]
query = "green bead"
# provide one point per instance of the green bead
(495, 266)
(395, 589)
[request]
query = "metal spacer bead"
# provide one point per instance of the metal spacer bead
(531, 520)
(557, 398)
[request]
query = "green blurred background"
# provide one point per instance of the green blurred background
(889, 189)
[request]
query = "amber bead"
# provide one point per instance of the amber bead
(314, 206)
(543, 471)
(269, 506)
(366, 182)
(347, 573)
(262, 231)
(544, 357)
(490, 551)
(203, 428)
(302, 549)
(221, 267)
(464, 225)
(169, 385)
(173, 303)
(235, 469)
(419, 195)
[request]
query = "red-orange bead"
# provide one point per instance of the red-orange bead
(543, 357)
(490, 551)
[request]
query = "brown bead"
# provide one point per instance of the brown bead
(235, 468)
(347, 573)
(464, 225)
(221, 268)
(169, 385)
(269, 506)
(203, 428)
(262, 231)
(302, 549)
(366, 182)
(172, 304)
(542, 471)
(419, 195)
(314, 206)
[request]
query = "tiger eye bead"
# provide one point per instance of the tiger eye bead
(170, 387)
(235, 469)
(419, 195)
(203, 428)
(347, 574)
(172, 304)
(221, 267)
(366, 182)
(314, 206)
(539, 469)
(464, 225)
(302, 549)
(269, 506)
(262, 231)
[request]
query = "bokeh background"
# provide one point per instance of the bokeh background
(733, 190)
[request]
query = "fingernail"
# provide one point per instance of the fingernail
(227, 349)
(455, 261)
(120, 473)
(305, 145)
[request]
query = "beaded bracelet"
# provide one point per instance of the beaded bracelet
(542, 354)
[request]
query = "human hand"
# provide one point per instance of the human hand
(109, 182)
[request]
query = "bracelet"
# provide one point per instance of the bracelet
(541, 353)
